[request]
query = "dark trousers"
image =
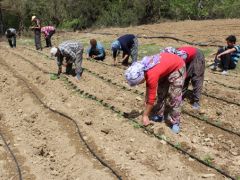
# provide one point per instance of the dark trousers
(225, 61)
(195, 74)
(69, 69)
(37, 38)
(12, 41)
(48, 39)
(92, 52)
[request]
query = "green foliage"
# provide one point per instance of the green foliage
(82, 14)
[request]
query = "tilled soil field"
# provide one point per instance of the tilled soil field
(63, 129)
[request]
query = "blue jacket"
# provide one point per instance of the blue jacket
(99, 51)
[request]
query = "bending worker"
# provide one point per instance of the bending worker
(164, 74)
(73, 52)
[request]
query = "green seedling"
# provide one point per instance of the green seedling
(218, 123)
(205, 118)
(53, 77)
(208, 159)
(136, 125)
(177, 145)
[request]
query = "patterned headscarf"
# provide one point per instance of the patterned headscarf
(150, 61)
(135, 74)
(182, 54)
(115, 45)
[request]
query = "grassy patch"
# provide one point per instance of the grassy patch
(148, 49)
(26, 41)
(207, 51)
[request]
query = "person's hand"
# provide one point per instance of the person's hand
(145, 120)
(218, 56)
(65, 64)
(94, 56)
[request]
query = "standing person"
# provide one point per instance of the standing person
(11, 36)
(227, 57)
(48, 31)
(73, 52)
(195, 67)
(164, 74)
(129, 45)
(37, 32)
(96, 50)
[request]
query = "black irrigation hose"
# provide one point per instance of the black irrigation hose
(141, 93)
(103, 63)
(114, 109)
(164, 37)
(66, 116)
(222, 84)
(13, 157)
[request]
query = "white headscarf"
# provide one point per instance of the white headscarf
(135, 74)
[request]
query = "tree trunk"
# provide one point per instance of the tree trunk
(1, 22)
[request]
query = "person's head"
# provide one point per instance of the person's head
(115, 46)
(54, 51)
(8, 31)
(33, 18)
(231, 40)
(135, 74)
(93, 43)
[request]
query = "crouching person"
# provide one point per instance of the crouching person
(11, 36)
(164, 74)
(73, 52)
(227, 57)
(96, 50)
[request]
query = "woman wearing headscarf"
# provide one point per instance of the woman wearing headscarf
(164, 74)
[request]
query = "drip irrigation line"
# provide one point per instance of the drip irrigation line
(115, 110)
(141, 93)
(67, 117)
(13, 157)
(122, 68)
(163, 37)
(222, 84)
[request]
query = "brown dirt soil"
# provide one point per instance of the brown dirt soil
(47, 145)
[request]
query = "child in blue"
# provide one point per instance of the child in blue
(228, 56)
(96, 50)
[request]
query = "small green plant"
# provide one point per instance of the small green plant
(238, 177)
(208, 159)
(178, 145)
(136, 125)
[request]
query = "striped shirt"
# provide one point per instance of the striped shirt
(235, 56)
(69, 49)
(47, 29)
